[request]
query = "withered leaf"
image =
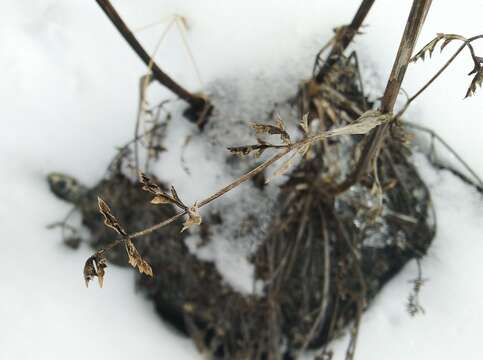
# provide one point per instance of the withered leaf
(94, 267)
(428, 48)
(175, 195)
(160, 197)
(194, 217)
(278, 129)
(136, 261)
(362, 125)
(448, 38)
(109, 219)
(247, 149)
(148, 184)
(475, 83)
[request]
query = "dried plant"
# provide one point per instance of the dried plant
(288, 147)
(95, 265)
(413, 305)
(447, 39)
(365, 123)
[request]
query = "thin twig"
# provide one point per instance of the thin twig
(195, 101)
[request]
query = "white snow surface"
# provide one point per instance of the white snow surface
(69, 96)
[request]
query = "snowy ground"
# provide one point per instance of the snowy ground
(69, 96)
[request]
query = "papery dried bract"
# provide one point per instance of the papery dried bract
(194, 217)
(109, 219)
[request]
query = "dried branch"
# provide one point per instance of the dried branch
(365, 123)
(344, 38)
(477, 61)
(200, 107)
(414, 24)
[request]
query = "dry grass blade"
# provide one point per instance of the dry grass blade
(136, 261)
(109, 219)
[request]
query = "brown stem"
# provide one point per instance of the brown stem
(345, 39)
(197, 103)
(414, 24)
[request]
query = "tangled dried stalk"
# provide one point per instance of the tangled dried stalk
(318, 275)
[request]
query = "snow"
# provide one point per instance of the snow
(69, 96)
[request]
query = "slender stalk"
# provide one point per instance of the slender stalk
(413, 27)
(344, 39)
(195, 101)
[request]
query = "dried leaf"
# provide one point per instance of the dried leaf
(163, 198)
(247, 149)
(94, 267)
(194, 217)
(148, 184)
(160, 197)
(450, 37)
(109, 219)
(475, 83)
(365, 123)
(175, 195)
(101, 264)
(304, 124)
(284, 136)
(89, 270)
(278, 129)
(136, 261)
(428, 48)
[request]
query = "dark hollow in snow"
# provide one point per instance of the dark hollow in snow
(323, 260)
